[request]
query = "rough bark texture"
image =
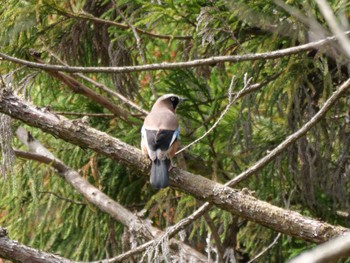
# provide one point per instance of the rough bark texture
(72, 131)
(17, 252)
(281, 220)
(278, 219)
(114, 209)
(331, 251)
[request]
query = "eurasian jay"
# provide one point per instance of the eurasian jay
(159, 138)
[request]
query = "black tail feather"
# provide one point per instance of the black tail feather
(159, 173)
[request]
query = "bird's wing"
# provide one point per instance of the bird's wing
(176, 135)
(145, 138)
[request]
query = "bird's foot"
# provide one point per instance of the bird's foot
(172, 166)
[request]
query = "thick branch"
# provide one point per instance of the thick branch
(278, 219)
(175, 65)
(108, 205)
(16, 252)
(331, 251)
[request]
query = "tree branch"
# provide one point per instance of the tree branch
(293, 137)
(16, 252)
(80, 88)
(92, 194)
(108, 205)
(105, 88)
(330, 251)
(278, 219)
(139, 47)
(188, 64)
(329, 16)
(89, 17)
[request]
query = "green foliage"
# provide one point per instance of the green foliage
(311, 177)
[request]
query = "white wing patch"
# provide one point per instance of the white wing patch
(161, 155)
(175, 136)
(152, 154)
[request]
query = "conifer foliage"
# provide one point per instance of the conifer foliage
(267, 114)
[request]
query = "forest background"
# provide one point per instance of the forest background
(268, 109)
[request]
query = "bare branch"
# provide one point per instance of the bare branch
(188, 64)
(82, 114)
(231, 101)
(139, 47)
(266, 249)
(61, 197)
(106, 204)
(293, 137)
(281, 220)
(16, 252)
(250, 89)
(334, 26)
(330, 251)
(215, 234)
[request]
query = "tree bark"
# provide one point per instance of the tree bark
(17, 252)
(331, 251)
(175, 65)
(111, 207)
(278, 219)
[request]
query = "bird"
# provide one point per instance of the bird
(159, 138)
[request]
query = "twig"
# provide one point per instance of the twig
(174, 65)
(106, 115)
(231, 101)
(87, 16)
(79, 88)
(293, 137)
(172, 231)
(215, 235)
(62, 198)
(252, 88)
(334, 26)
(104, 87)
(266, 249)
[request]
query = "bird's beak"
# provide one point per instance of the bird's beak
(183, 99)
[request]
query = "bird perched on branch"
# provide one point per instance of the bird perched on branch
(159, 138)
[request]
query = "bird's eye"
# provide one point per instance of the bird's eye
(172, 98)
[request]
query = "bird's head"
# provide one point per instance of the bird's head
(169, 100)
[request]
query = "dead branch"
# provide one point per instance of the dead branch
(328, 252)
(278, 219)
(188, 64)
(329, 16)
(16, 252)
(293, 137)
(108, 205)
